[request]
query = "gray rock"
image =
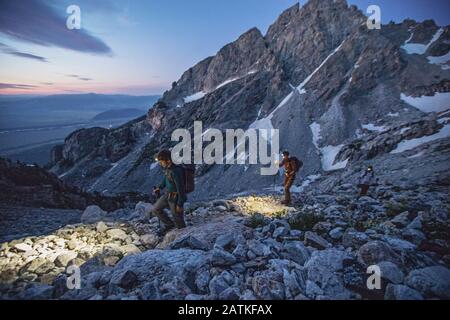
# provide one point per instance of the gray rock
(247, 295)
(101, 227)
(23, 247)
(229, 294)
(280, 232)
(38, 292)
(312, 289)
(149, 240)
(222, 258)
(189, 242)
(117, 234)
(414, 236)
(399, 245)
(430, 281)
(143, 208)
(63, 259)
(296, 251)
(296, 234)
(323, 268)
(93, 214)
(401, 220)
(354, 239)
(401, 292)
(240, 252)
(195, 297)
(202, 280)
(377, 251)
(217, 285)
(416, 223)
(266, 288)
(126, 279)
(224, 241)
(316, 241)
(391, 272)
(336, 233)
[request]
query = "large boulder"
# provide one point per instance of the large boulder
(93, 214)
(324, 268)
(431, 281)
(207, 232)
(377, 251)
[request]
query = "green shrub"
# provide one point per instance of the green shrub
(395, 208)
(256, 220)
(305, 220)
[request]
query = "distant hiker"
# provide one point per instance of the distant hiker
(366, 179)
(175, 196)
(291, 166)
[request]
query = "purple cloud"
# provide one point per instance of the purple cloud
(11, 51)
(16, 86)
(79, 77)
(36, 22)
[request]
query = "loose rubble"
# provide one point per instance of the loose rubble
(320, 248)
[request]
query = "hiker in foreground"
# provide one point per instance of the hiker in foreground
(291, 166)
(175, 195)
(366, 179)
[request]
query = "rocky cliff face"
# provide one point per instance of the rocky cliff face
(319, 76)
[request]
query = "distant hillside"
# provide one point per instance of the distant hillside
(63, 109)
(119, 114)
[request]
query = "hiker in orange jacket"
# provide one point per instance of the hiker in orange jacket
(291, 167)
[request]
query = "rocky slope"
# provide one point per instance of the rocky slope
(318, 75)
(32, 186)
(246, 248)
(342, 97)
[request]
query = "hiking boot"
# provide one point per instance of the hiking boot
(179, 220)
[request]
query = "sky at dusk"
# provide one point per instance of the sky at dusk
(139, 47)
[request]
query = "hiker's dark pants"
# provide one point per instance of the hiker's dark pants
(364, 189)
(168, 202)
(288, 181)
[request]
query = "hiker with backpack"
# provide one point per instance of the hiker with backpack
(291, 165)
(366, 179)
(175, 196)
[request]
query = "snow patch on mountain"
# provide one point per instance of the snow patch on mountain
(194, 97)
(315, 129)
(373, 127)
(440, 101)
(390, 114)
(328, 154)
(300, 88)
(266, 123)
(418, 48)
(414, 143)
(443, 61)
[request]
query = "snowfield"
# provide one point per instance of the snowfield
(194, 97)
(418, 48)
(413, 143)
(373, 127)
(443, 61)
(440, 101)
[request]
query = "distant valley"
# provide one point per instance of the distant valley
(31, 126)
